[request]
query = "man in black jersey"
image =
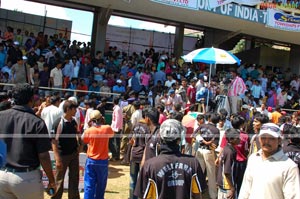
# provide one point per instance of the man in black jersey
(171, 174)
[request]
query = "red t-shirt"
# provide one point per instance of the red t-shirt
(241, 148)
(162, 118)
(191, 93)
(83, 88)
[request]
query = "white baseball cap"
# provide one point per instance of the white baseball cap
(73, 99)
(271, 129)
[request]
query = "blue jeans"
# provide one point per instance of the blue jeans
(134, 172)
(95, 178)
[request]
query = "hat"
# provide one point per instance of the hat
(270, 109)
(129, 74)
(73, 99)
(131, 99)
(24, 58)
(194, 79)
(171, 130)
(16, 43)
(271, 129)
(245, 106)
(171, 92)
(95, 115)
(119, 81)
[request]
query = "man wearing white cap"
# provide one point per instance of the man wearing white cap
(270, 173)
(119, 88)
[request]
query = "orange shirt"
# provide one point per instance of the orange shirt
(275, 117)
(97, 138)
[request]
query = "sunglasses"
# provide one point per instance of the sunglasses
(271, 128)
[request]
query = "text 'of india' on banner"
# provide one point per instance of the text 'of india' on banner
(280, 20)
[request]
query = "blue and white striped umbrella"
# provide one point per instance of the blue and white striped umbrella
(211, 56)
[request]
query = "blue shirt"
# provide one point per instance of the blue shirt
(160, 75)
(118, 89)
(202, 94)
(2, 59)
(256, 91)
(124, 70)
(94, 89)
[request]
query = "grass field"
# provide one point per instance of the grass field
(117, 183)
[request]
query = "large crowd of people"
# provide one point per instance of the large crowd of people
(241, 139)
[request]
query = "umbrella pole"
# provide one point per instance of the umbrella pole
(209, 77)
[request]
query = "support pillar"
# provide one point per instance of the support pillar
(100, 22)
(178, 40)
(294, 62)
(250, 44)
(214, 37)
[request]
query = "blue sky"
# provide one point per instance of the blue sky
(82, 20)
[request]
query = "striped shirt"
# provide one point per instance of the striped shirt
(236, 87)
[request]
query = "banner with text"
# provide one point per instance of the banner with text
(227, 9)
(280, 20)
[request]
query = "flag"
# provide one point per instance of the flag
(217, 3)
(248, 2)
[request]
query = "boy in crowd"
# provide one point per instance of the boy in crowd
(225, 173)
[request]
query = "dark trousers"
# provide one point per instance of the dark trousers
(240, 169)
(114, 145)
(134, 172)
(71, 162)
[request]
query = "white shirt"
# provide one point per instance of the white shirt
(57, 76)
(76, 69)
(50, 114)
(129, 83)
(136, 117)
(169, 83)
(277, 177)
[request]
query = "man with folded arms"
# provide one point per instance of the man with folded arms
(270, 173)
